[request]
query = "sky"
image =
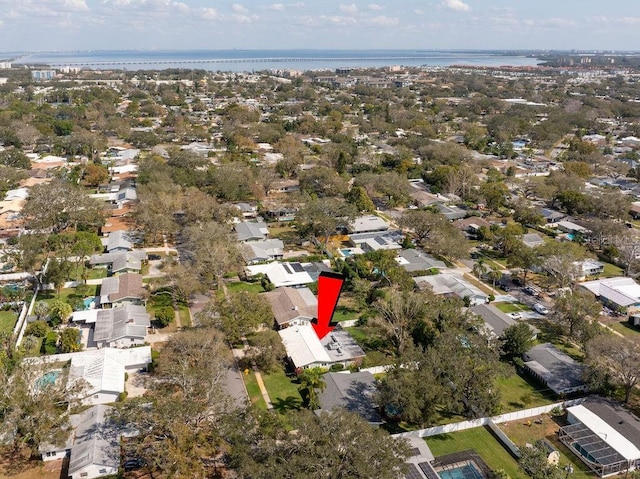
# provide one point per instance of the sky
(48, 25)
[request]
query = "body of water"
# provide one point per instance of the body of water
(255, 60)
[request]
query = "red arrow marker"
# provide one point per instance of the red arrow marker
(329, 289)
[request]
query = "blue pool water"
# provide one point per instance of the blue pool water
(468, 471)
(89, 301)
(346, 252)
(47, 380)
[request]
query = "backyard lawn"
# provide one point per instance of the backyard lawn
(245, 286)
(185, 317)
(344, 314)
(518, 392)
(483, 442)
(282, 390)
(529, 431)
(7, 321)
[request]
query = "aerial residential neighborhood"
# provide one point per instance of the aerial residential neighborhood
(164, 235)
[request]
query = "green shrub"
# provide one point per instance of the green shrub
(164, 315)
(122, 396)
(336, 367)
(49, 345)
(37, 328)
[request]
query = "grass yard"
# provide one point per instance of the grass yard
(518, 392)
(245, 286)
(69, 295)
(483, 442)
(185, 317)
(511, 307)
(611, 270)
(529, 431)
(624, 328)
(254, 391)
(344, 314)
(7, 321)
(283, 391)
(373, 345)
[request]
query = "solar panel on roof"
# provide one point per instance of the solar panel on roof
(414, 452)
(428, 470)
(412, 472)
(297, 267)
(286, 268)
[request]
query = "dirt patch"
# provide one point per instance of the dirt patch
(31, 470)
(530, 430)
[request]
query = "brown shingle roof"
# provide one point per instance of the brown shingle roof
(291, 303)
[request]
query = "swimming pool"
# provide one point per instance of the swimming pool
(466, 471)
(47, 380)
(91, 302)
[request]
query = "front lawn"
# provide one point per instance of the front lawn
(282, 390)
(254, 390)
(483, 442)
(626, 329)
(511, 307)
(518, 392)
(185, 317)
(7, 321)
(345, 314)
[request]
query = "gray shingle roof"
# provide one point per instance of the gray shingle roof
(96, 442)
(559, 371)
(353, 392)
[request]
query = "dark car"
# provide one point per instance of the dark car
(132, 464)
(154, 257)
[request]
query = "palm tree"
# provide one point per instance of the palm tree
(495, 275)
(311, 384)
(479, 268)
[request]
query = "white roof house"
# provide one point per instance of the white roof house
(615, 292)
(251, 231)
(452, 284)
(305, 349)
(367, 224)
(604, 435)
(100, 370)
(258, 251)
(282, 274)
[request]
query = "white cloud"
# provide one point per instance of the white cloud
(75, 5)
(417, 11)
(457, 5)
(383, 21)
(239, 8)
(349, 8)
(297, 5)
(210, 13)
(375, 6)
(278, 7)
(337, 20)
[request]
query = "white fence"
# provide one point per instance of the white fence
(512, 416)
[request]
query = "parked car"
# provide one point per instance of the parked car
(541, 308)
(515, 315)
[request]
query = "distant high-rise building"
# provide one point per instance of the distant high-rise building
(42, 75)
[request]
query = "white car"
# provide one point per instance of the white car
(515, 315)
(541, 308)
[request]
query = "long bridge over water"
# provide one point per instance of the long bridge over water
(235, 60)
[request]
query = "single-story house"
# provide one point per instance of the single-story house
(590, 267)
(570, 227)
(383, 240)
(101, 371)
(496, 321)
(119, 241)
(452, 213)
(452, 284)
(368, 224)
(616, 293)
(292, 306)
(121, 290)
(306, 350)
(282, 274)
(93, 446)
(551, 216)
(604, 435)
(252, 231)
(247, 210)
(115, 327)
(353, 392)
(284, 186)
(261, 251)
(413, 260)
(471, 224)
(121, 262)
(532, 240)
(555, 369)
